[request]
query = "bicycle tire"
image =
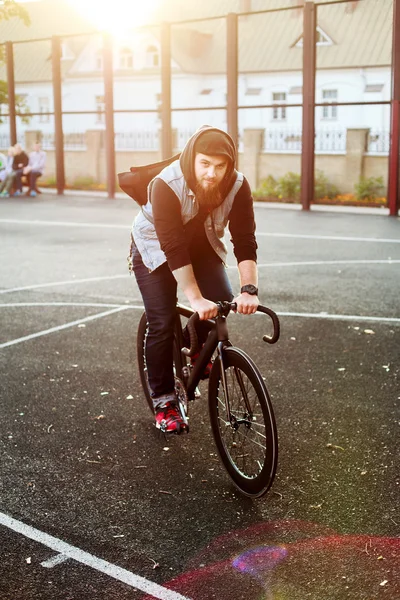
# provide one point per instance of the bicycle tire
(250, 464)
(141, 359)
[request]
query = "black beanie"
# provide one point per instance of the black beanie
(214, 143)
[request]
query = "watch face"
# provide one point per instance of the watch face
(250, 289)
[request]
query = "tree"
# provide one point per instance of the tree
(9, 9)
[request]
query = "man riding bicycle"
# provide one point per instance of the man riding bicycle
(178, 241)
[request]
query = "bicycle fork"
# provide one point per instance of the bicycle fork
(233, 420)
(223, 341)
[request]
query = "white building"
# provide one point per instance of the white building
(353, 65)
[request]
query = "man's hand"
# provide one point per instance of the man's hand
(246, 304)
(27, 170)
(205, 308)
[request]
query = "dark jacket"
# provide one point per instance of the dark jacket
(21, 158)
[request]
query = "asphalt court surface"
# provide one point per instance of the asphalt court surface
(94, 504)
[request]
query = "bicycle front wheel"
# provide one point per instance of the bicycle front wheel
(247, 442)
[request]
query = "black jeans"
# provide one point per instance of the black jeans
(31, 177)
(159, 293)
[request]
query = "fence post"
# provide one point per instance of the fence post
(109, 109)
(11, 92)
(166, 126)
(394, 150)
(356, 146)
(232, 76)
(250, 160)
(308, 133)
(58, 125)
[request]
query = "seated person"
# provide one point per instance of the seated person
(3, 161)
(20, 161)
(7, 175)
(33, 170)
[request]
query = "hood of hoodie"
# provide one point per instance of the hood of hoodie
(188, 155)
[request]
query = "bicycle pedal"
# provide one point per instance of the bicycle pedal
(162, 430)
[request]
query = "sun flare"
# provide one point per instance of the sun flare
(116, 16)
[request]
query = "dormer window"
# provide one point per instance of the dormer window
(152, 57)
(125, 58)
(323, 39)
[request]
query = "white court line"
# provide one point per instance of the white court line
(32, 336)
(103, 566)
(72, 304)
(58, 559)
(269, 265)
(65, 282)
(321, 315)
(337, 238)
(116, 226)
(339, 317)
(316, 263)
(66, 224)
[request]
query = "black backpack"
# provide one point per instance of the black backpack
(135, 182)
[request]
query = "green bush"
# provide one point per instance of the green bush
(369, 188)
(48, 182)
(289, 186)
(268, 188)
(83, 182)
(323, 188)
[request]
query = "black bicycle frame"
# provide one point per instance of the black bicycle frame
(218, 337)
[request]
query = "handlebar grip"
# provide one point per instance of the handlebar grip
(275, 321)
(194, 342)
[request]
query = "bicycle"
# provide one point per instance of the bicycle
(241, 413)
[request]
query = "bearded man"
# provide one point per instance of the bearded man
(178, 241)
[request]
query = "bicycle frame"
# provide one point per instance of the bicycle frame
(217, 339)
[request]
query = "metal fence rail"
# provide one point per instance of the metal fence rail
(72, 141)
(326, 141)
(378, 142)
(137, 140)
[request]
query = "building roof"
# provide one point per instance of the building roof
(362, 37)
(361, 33)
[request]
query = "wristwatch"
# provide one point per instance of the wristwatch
(249, 289)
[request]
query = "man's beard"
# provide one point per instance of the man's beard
(208, 197)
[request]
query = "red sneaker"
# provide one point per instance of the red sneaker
(169, 419)
(207, 370)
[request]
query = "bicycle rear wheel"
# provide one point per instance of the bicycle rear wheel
(248, 443)
(179, 362)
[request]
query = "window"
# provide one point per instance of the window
(253, 91)
(44, 108)
(100, 108)
(152, 57)
(279, 113)
(125, 58)
(99, 60)
(374, 88)
(329, 112)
